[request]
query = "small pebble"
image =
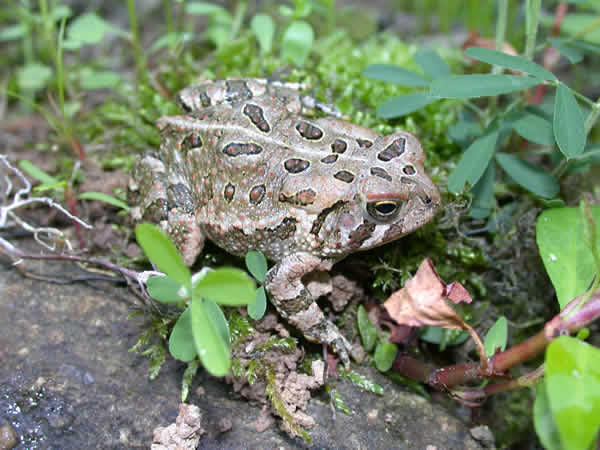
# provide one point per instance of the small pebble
(9, 437)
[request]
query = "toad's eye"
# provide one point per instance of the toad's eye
(384, 210)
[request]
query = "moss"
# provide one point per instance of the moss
(361, 381)
(152, 343)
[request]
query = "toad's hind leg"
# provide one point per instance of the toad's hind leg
(295, 303)
(170, 205)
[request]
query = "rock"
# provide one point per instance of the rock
(86, 390)
(8, 437)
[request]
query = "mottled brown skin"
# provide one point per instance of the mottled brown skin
(247, 170)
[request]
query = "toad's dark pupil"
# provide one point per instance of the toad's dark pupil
(385, 208)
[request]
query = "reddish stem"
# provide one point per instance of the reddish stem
(72, 204)
(498, 365)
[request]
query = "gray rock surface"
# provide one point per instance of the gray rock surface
(68, 381)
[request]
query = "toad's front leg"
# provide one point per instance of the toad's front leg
(295, 303)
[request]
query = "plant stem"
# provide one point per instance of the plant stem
(571, 319)
(169, 20)
(60, 73)
(238, 19)
(476, 109)
(501, 28)
(532, 20)
(592, 117)
(135, 40)
(475, 394)
(500, 37)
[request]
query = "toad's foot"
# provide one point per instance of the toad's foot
(295, 303)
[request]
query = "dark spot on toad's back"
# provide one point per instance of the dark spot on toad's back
(329, 159)
(339, 146)
(191, 141)
(409, 170)
(364, 143)
(393, 150)
(257, 194)
(296, 165)
(229, 192)
(345, 176)
(238, 148)
(256, 116)
(303, 197)
(381, 173)
(309, 131)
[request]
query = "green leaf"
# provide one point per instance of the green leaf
(574, 23)
(473, 162)
(496, 337)
(479, 85)
(566, 49)
(534, 128)
(207, 9)
(13, 32)
(368, 332)
(431, 63)
(543, 421)
(263, 28)
(91, 79)
(512, 62)
(102, 197)
(218, 319)
(61, 12)
(286, 11)
(464, 130)
(210, 343)
(396, 75)
(569, 129)
(483, 194)
(403, 104)
(89, 28)
(33, 76)
(257, 265)
(227, 286)
(257, 309)
(181, 341)
(37, 173)
(568, 261)
(529, 176)
(159, 249)
(174, 39)
(385, 354)
(444, 337)
(586, 47)
(573, 388)
(297, 42)
(166, 290)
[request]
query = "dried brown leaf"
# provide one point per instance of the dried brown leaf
(421, 301)
(456, 293)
